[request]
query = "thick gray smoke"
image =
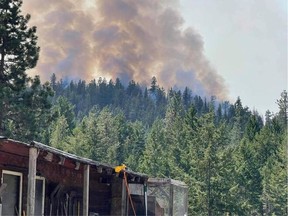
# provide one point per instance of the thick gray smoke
(121, 38)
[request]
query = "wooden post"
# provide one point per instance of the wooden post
(124, 199)
(171, 197)
(118, 197)
(86, 190)
(33, 153)
(145, 198)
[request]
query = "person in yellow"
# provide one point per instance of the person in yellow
(119, 168)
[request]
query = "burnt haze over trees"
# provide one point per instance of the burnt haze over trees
(137, 102)
(233, 163)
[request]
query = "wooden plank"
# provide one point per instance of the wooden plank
(33, 153)
(86, 190)
(14, 148)
(12, 161)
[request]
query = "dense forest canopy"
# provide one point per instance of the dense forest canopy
(233, 160)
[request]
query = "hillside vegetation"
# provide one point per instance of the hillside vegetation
(233, 163)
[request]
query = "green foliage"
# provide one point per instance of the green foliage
(59, 134)
(64, 108)
(154, 157)
(134, 144)
(275, 188)
(24, 101)
(18, 45)
(232, 162)
(283, 109)
(26, 113)
(223, 152)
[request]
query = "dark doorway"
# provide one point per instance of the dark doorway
(11, 197)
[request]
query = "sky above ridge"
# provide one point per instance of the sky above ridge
(246, 42)
(227, 48)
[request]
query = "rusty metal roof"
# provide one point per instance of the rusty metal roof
(73, 157)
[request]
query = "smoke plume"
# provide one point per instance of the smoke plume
(128, 39)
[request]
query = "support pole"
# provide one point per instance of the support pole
(171, 197)
(124, 200)
(145, 198)
(118, 197)
(31, 181)
(86, 190)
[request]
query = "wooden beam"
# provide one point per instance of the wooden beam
(86, 190)
(171, 200)
(119, 199)
(124, 200)
(33, 153)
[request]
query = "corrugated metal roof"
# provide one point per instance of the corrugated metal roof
(73, 157)
(166, 181)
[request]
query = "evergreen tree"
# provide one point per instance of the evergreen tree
(63, 107)
(283, 109)
(134, 145)
(219, 114)
(275, 188)
(253, 127)
(85, 137)
(18, 53)
(154, 161)
(91, 94)
(53, 82)
(268, 117)
(29, 115)
(208, 143)
(174, 135)
(153, 87)
(59, 134)
(248, 178)
(108, 138)
(187, 98)
(119, 94)
(18, 45)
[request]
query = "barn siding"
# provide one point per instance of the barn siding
(64, 178)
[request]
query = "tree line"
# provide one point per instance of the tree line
(233, 160)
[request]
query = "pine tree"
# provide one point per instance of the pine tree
(283, 109)
(134, 145)
(154, 86)
(248, 177)
(85, 137)
(63, 107)
(18, 45)
(253, 127)
(187, 98)
(108, 143)
(59, 134)
(18, 53)
(29, 115)
(154, 161)
(275, 188)
(53, 81)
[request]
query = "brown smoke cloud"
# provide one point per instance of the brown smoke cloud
(128, 39)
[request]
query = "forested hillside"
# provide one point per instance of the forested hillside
(233, 160)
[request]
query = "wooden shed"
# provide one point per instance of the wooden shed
(40, 180)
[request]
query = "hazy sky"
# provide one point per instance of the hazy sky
(246, 42)
(239, 46)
